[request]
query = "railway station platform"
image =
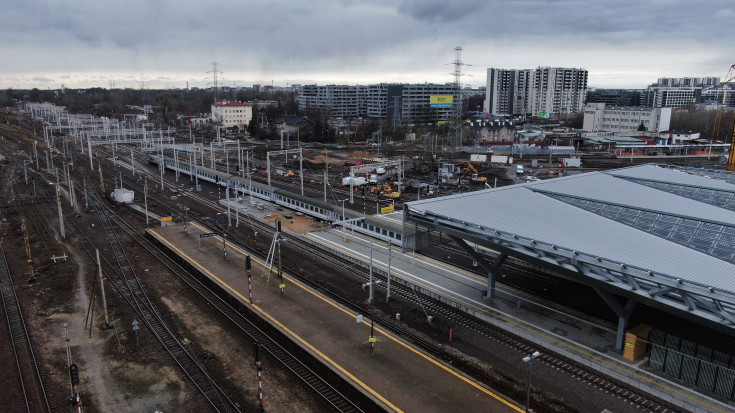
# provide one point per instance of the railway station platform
(396, 375)
(551, 329)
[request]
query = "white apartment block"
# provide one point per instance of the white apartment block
(553, 90)
(625, 119)
(232, 114)
(507, 91)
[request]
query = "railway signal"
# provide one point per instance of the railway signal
(250, 281)
(259, 366)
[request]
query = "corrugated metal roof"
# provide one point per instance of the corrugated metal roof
(524, 211)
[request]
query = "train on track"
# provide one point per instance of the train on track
(338, 216)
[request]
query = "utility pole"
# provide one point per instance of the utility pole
(145, 200)
(102, 181)
(102, 288)
(61, 211)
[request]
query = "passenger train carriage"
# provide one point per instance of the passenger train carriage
(353, 220)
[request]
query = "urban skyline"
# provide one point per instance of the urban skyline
(168, 44)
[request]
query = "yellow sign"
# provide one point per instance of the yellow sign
(441, 101)
(629, 344)
(387, 209)
(282, 286)
(372, 339)
(166, 219)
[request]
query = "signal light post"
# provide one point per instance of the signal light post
(259, 365)
(250, 281)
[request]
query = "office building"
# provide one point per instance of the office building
(599, 117)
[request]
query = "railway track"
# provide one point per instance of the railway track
(439, 310)
(335, 399)
(34, 395)
(456, 317)
(552, 360)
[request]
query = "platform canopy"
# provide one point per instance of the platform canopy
(659, 235)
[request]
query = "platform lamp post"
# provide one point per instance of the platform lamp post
(529, 360)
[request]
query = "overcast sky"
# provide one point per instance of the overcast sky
(167, 43)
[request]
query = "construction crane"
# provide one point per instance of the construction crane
(718, 120)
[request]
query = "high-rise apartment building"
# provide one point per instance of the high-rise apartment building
(544, 90)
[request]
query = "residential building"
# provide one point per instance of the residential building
(232, 114)
(536, 92)
(677, 92)
(599, 117)
(336, 100)
(398, 103)
(507, 91)
(719, 95)
(614, 97)
(492, 130)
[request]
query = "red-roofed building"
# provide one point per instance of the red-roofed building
(232, 114)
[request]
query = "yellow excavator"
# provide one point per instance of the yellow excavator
(476, 178)
(385, 190)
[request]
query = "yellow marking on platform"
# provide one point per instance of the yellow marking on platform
(541, 334)
(268, 316)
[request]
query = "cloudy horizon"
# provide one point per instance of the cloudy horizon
(167, 44)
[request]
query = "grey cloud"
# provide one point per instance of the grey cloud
(440, 10)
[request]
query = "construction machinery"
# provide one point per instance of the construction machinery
(476, 178)
(385, 191)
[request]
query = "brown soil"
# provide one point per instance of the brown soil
(361, 155)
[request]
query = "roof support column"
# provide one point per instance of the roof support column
(493, 270)
(623, 313)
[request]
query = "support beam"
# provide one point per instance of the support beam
(623, 313)
(493, 270)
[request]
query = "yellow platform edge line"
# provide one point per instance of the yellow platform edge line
(554, 340)
(259, 310)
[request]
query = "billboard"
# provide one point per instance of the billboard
(543, 115)
(441, 101)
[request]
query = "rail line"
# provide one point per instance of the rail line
(575, 371)
(556, 361)
(32, 379)
(316, 382)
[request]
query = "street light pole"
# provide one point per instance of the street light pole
(529, 360)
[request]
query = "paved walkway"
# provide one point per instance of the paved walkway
(397, 375)
(586, 342)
